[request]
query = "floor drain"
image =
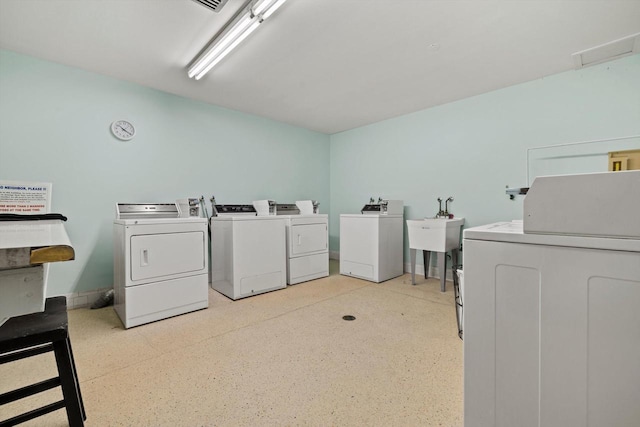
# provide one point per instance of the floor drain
(349, 317)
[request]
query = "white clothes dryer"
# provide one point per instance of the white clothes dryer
(160, 263)
(307, 247)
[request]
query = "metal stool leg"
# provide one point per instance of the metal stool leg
(68, 382)
(75, 375)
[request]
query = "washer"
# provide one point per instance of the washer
(371, 243)
(248, 252)
(307, 244)
(160, 263)
(551, 315)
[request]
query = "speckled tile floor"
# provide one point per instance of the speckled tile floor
(285, 358)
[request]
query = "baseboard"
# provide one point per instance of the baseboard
(84, 299)
(87, 298)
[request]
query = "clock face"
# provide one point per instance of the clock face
(123, 130)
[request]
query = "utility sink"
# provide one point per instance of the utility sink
(434, 234)
(437, 235)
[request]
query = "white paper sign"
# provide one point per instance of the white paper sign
(22, 197)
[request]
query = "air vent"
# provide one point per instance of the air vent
(214, 5)
(608, 51)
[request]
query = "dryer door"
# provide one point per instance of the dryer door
(163, 255)
(308, 238)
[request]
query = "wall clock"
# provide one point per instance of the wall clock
(123, 130)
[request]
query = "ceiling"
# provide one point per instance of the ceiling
(325, 65)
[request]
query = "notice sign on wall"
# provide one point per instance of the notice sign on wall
(22, 197)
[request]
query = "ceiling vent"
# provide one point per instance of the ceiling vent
(608, 51)
(214, 5)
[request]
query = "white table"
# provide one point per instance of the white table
(25, 249)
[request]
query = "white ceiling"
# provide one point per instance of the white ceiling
(325, 65)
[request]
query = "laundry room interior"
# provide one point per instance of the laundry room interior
(281, 123)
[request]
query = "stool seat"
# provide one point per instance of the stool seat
(37, 333)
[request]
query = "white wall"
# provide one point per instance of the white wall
(472, 149)
(55, 127)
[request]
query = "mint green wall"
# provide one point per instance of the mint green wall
(54, 127)
(473, 148)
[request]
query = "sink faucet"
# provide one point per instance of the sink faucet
(446, 206)
(440, 211)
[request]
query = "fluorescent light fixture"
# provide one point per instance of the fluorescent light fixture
(254, 13)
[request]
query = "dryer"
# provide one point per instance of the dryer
(307, 237)
(248, 252)
(371, 243)
(160, 263)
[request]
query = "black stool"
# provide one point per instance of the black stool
(37, 333)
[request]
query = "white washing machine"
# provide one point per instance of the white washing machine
(160, 263)
(248, 252)
(307, 245)
(552, 307)
(371, 243)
